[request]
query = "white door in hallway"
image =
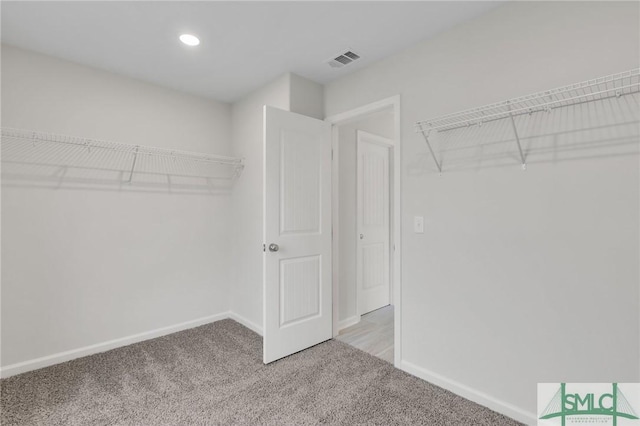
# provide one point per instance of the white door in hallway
(373, 210)
(297, 233)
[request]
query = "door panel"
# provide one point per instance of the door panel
(300, 183)
(299, 289)
(373, 261)
(373, 266)
(297, 215)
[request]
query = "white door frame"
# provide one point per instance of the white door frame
(390, 145)
(391, 104)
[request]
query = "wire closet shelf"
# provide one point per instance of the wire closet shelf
(19, 143)
(611, 86)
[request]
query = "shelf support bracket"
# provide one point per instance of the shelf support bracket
(238, 169)
(133, 164)
(515, 132)
(433, 155)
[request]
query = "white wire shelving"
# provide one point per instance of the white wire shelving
(127, 163)
(611, 86)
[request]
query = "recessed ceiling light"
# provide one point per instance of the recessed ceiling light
(189, 40)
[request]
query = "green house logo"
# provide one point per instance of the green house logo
(583, 405)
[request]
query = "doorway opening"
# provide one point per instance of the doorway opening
(366, 228)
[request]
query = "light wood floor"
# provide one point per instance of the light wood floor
(373, 334)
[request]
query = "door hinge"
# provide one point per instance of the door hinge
(332, 154)
(264, 247)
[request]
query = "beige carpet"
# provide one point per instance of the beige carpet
(214, 375)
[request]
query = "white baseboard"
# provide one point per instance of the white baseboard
(471, 394)
(348, 322)
(34, 364)
(249, 324)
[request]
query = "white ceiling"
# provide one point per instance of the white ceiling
(243, 44)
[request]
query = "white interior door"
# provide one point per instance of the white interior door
(373, 211)
(297, 233)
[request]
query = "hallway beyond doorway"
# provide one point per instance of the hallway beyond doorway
(373, 334)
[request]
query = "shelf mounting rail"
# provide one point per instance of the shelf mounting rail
(611, 86)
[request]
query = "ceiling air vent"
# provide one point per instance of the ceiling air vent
(344, 59)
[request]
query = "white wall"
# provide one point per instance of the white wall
(380, 124)
(88, 264)
(85, 266)
(307, 97)
(520, 277)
